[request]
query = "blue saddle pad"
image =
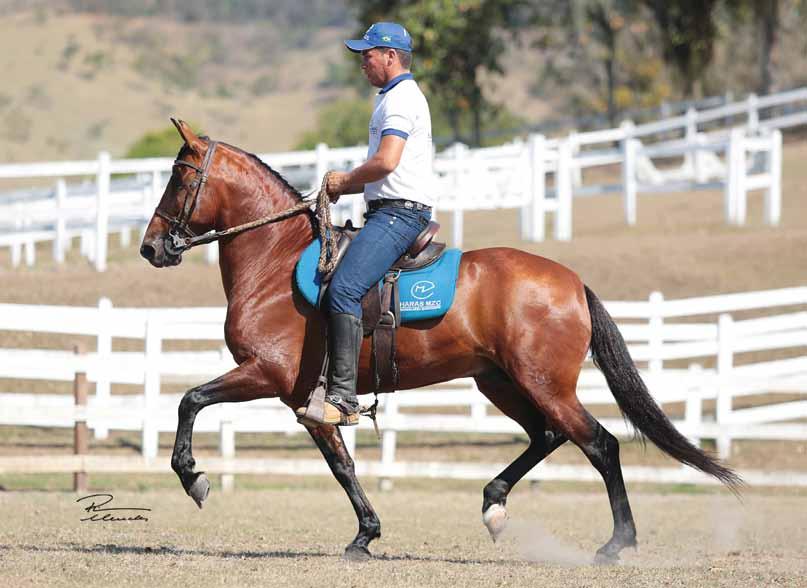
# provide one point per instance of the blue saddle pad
(425, 293)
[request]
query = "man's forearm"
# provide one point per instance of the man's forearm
(353, 189)
(374, 169)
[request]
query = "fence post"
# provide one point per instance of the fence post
(700, 168)
(227, 447)
(29, 249)
(80, 436)
(741, 193)
(630, 152)
(321, 152)
(153, 198)
(389, 439)
(151, 389)
(460, 155)
(690, 134)
(537, 216)
(752, 105)
(693, 408)
(16, 252)
(577, 171)
(563, 193)
(773, 195)
(61, 224)
(725, 364)
(125, 236)
(102, 211)
(104, 350)
(655, 342)
(735, 176)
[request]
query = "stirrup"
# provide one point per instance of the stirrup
(318, 412)
(330, 415)
(371, 412)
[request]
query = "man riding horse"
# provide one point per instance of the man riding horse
(396, 181)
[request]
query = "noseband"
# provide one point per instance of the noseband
(180, 236)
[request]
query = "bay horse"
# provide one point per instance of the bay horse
(520, 325)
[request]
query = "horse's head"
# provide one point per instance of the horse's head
(187, 207)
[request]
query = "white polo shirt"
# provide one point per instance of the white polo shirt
(401, 109)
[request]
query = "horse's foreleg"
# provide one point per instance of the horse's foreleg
(246, 382)
(501, 391)
(329, 440)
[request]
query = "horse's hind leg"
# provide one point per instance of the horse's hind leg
(501, 391)
(601, 448)
(329, 440)
(246, 382)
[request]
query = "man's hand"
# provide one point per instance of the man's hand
(336, 184)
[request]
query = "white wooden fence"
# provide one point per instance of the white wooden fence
(655, 334)
(743, 154)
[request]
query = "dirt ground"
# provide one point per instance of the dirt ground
(295, 537)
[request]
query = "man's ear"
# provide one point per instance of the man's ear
(187, 134)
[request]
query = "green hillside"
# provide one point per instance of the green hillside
(78, 83)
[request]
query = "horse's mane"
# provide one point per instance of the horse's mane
(272, 171)
(294, 191)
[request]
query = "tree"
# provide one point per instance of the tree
(764, 17)
(607, 20)
(599, 54)
(688, 33)
(454, 41)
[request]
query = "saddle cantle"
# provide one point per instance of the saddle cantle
(420, 285)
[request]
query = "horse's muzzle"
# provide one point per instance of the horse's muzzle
(155, 253)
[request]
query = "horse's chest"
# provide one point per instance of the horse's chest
(266, 337)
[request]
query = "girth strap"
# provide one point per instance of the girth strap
(385, 366)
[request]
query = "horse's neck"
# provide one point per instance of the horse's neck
(261, 261)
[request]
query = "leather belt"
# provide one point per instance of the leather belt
(374, 205)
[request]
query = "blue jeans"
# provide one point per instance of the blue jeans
(388, 232)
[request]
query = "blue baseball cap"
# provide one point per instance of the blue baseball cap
(382, 34)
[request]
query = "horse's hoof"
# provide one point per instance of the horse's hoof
(199, 489)
(495, 519)
(357, 553)
(605, 559)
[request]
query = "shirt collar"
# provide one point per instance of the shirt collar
(395, 81)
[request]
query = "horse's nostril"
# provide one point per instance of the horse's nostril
(147, 251)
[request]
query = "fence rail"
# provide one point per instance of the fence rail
(735, 147)
(654, 343)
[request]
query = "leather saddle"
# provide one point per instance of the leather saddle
(381, 306)
(424, 251)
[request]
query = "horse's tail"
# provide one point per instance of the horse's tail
(611, 356)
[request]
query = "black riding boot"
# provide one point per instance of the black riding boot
(344, 345)
(341, 406)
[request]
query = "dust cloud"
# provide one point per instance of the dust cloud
(534, 543)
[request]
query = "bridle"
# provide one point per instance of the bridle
(180, 236)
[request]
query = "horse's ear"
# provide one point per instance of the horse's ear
(187, 134)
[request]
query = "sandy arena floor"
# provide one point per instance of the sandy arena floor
(433, 538)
